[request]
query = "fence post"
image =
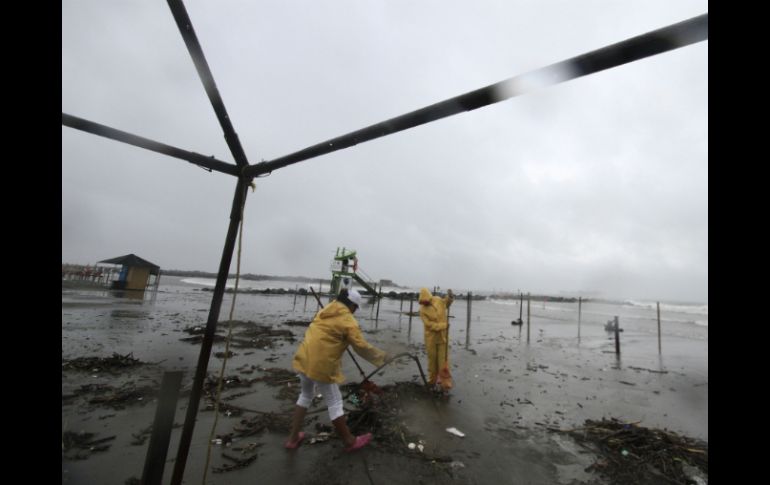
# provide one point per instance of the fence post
(659, 347)
(411, 301)
(580, 308)
(529, 299)
(617, 336)
(468, 324)
(157, 450)
(295, 297)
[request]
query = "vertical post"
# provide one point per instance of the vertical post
(161, 428)
(468, 322)
(411, 302)
(208, 336)
(295, 297)
(379, 297)
(659, 347)
(401, 308)
(529, 300)
(305, 307)
(617, 336)
(580, 308)
(371, 310)
(521, 304)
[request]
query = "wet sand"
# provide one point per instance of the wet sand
(509, 395)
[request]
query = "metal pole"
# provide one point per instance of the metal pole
(379, 297)
(659, 347)
(161, 428)
(617, 336)
(208, 336)
(295, 297)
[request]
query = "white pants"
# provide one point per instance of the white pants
(330, 391)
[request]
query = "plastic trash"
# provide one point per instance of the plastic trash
(320, 438)
(694, 474)
(456, 432)
(457, 464)
(420, 447)
(624, 453)
(412, 446)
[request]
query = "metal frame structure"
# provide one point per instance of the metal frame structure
(649, 44)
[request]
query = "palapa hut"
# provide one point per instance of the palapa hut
(135, 273)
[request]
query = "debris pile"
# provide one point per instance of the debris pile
(297, 323)
(380, 413)
(79, 446)
(273, 422)
(632, 454)
(99, 364)
(113, 397)
(251, 335)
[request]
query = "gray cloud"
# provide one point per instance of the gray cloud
(597, 184)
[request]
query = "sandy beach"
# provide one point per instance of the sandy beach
(511, 396)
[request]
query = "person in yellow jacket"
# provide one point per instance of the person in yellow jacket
(433, 311)
(319, 363)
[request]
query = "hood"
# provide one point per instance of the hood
(334, 309)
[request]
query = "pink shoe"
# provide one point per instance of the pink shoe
(293, 445)
(360, 442)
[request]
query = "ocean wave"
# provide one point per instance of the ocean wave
(670, 307)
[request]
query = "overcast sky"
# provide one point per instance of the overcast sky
(597, 186)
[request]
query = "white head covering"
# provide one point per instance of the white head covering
(355, 297)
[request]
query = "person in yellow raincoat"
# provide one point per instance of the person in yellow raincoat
(433, 311)
(318, 361)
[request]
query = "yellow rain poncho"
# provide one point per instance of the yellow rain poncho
(434, 318)
(319, 356)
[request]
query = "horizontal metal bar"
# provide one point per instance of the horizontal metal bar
(114, 134)
(630, 50)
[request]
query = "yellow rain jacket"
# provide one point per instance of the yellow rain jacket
(434, 319)
(320, 354)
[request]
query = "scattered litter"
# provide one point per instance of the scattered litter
(456, 432)
(412, 446)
